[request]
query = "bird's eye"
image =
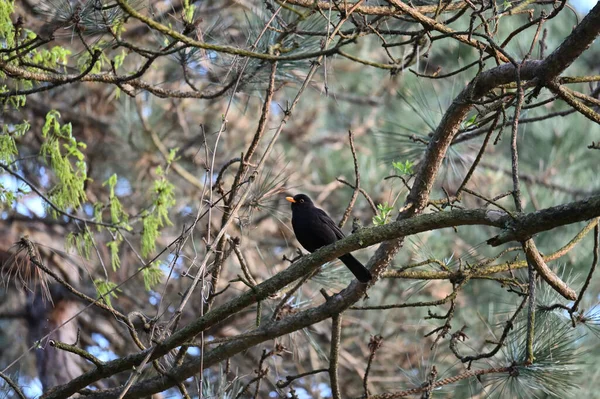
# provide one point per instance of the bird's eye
(301, 200)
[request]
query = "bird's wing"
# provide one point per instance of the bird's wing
(324, 217)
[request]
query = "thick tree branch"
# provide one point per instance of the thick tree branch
(478, 272)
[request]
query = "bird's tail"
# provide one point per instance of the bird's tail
(360, 272)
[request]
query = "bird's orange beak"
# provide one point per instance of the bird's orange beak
(291, 199)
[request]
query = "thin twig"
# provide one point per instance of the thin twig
(479, 154)
(363, 192)
(446, 381)
(374, 344)
(53, 205)
(356, 182)
(460, 335)
(530, 355)
(575, 306)
(291, 378)
(13, 385)
(77, 351)
(336, 332)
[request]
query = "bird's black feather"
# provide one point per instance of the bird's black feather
(315, 229)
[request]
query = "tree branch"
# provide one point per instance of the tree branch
(542, 220)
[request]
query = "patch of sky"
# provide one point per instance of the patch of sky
(123, 188)
(187, 210)
(44, 178)
(583, 6)
(146, 111)
(212, 55)
(198, 67)
(88, 209)
(276, 108)
(32, 206)
(325, 390)
(100, 340)
(165, 267)
(303, 393)
(32, 388)
(101, 350)
(9, 182)
(154, 298)
(102, 354)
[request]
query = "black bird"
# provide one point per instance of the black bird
(315, 229)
